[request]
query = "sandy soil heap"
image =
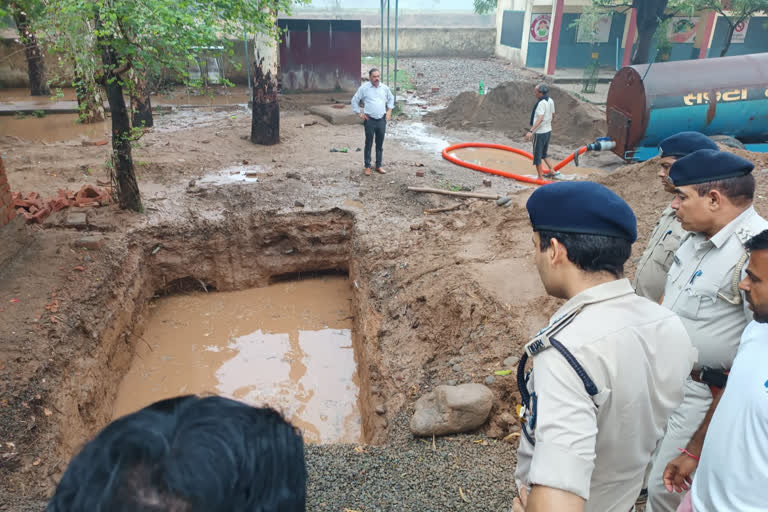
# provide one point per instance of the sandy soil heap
(507, 108)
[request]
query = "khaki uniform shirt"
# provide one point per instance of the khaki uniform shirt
(638, 355)
(700, 285)
(651, 273)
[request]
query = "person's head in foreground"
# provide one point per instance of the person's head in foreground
(755, 284)
(711, 189)
(189, 454)
(677, 146)
(582, 235)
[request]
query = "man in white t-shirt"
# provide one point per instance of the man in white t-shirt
(541, 130)
(733, 467)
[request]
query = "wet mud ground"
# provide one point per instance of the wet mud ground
(437, 299)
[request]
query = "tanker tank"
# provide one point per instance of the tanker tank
(718, 96)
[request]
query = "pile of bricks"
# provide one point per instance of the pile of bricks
(7, 211)
(35, 210)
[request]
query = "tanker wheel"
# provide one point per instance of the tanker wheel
(727, 140)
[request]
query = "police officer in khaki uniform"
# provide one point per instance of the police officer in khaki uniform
(608, 369)
(651, 273)
(713, 201)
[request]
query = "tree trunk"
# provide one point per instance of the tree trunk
(644, 40)
(122, 160)
(728, 37)
(649, 13)
(89, 100)
(38, 82)
(265, 123)
(141, 106)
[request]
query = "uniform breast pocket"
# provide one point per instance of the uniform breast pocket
(664, 253)
(697, 298)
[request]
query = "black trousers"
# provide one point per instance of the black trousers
(374, 128)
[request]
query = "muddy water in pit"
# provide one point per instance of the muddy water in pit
(288, 345)
(514, 163)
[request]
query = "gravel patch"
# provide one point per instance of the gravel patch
(412, 474)
(456, 75)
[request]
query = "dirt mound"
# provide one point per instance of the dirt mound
(507, 108)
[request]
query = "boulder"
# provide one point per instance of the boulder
(452, 409)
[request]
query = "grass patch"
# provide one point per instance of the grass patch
(404, 79)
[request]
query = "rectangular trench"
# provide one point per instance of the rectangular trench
(315, 372)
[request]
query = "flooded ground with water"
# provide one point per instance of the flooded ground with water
(288, 346)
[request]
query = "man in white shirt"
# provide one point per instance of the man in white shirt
(541, 130)
(733, 468)
(378, 103)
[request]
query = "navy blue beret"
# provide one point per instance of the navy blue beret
(581, 207)
(685, 143)
(707, 165)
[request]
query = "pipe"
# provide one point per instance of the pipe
(601, 144)
(394, 91)
(570, 158)
(387, 82)
(381, 52)
(475, 167)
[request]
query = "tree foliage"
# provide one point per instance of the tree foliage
(653, 13)
(114, 37)
(734, 12)
(484, 6)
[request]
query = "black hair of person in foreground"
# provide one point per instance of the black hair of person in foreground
(189, 454)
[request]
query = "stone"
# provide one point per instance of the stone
(92, 243)
(486, 182)
(293, 176)
(381, 409)
(336, 116)
(76, 220)
(452, 382)
(420, 174)
(508, 420)
(489, 380)
(456, 367)
(452, 409)
(298, 204)
(511, 361)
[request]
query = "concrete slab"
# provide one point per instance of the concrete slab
(576, 75)
(77, 220)
(336, 115)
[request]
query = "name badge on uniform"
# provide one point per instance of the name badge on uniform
(537, 345)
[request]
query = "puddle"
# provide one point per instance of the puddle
(514, 163)
(52, 128)
(234, 174)
(416, 136)
(288, 345)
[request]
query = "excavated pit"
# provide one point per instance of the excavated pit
(267, 310)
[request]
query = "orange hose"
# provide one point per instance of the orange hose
(497, 172)
(569, 158)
